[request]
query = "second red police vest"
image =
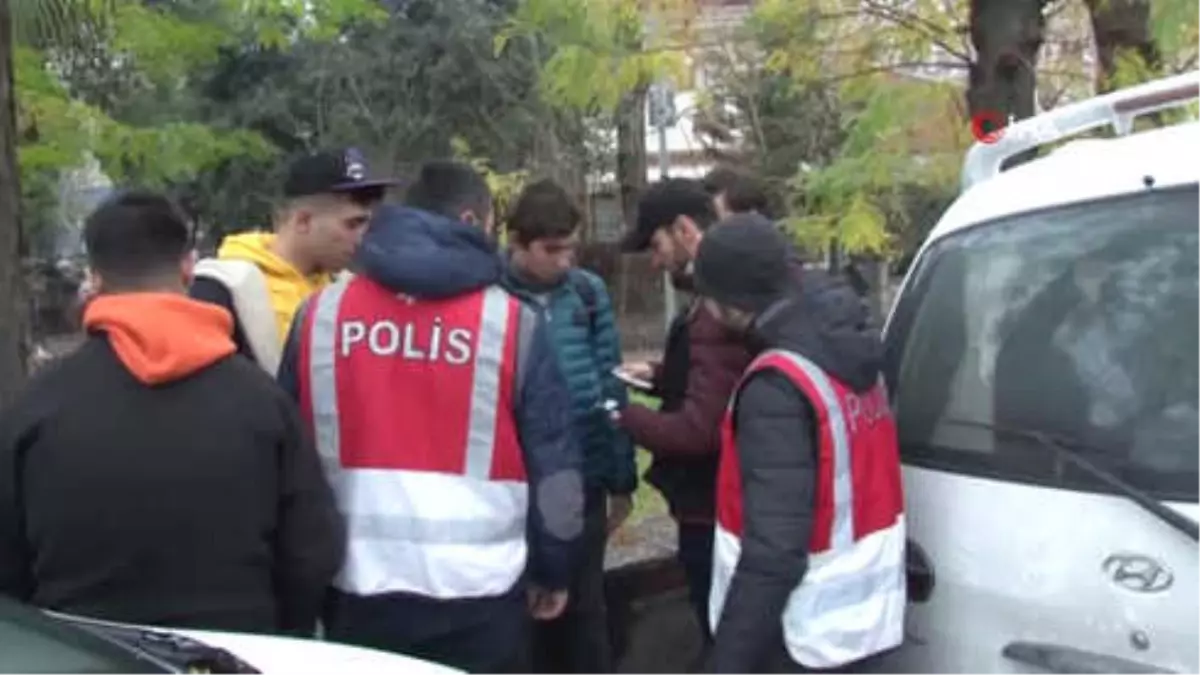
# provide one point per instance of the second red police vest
(411, 402)
(850, 602)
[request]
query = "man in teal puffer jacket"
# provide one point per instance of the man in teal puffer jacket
(543, 231)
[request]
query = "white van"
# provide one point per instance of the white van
(36, 641)
(1042, 359)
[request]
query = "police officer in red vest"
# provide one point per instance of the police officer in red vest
(808, 550)
(445, 430)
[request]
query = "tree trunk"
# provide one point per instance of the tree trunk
(631, 152)
(1120, 27)
(630, 174)
(13, 312)
(1007, 35)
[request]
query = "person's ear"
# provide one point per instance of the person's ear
(721, 206)
(685, 228)
(302, 220)
(687, 233)
(187, 267)
(90, 287)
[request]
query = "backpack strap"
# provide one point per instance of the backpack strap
(587, 292)
(252, 305)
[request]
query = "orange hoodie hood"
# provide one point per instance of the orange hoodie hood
(162, 337)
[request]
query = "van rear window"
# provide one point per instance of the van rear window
(1079, 322)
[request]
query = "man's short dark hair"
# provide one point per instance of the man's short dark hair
(743, 193)
(544, 210)
(135, 238)
(449, 188)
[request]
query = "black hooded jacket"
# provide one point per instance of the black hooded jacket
(826, 322)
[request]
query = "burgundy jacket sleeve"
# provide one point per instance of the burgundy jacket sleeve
(717, 359)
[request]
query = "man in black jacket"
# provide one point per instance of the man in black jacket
(153, 476)
(810, 402)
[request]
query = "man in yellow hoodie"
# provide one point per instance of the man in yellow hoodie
(262, 278)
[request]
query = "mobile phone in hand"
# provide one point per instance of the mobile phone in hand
(634, 382)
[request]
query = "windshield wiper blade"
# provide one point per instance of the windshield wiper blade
(1156, 508)
(172, 651)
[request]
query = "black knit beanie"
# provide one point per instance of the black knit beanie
(743, 263)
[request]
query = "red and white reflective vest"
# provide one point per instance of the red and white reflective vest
(850, 603)
(411, 404)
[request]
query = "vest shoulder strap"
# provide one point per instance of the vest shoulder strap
(252, 303)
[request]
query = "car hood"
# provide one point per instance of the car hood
(270, 654)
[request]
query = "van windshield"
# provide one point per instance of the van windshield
(1078, 321)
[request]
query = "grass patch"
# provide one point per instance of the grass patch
(647, 501)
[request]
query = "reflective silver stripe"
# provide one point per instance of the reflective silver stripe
(852, 590)
(485, 387)
(322, 358)
(842, 531)
(526, 323)
(394, 527)
(811, 598)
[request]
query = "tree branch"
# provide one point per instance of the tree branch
(917, 24)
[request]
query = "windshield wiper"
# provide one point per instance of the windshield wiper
(1156, 508)
(175, 652)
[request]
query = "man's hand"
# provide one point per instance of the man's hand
(546, 605)
(619, 508)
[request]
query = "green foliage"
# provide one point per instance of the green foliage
(108, 79)
(163, 46)
(895, 131)
(1176, 29)
(279, 23)
(594, 50)
(505, 187)
(425, 84)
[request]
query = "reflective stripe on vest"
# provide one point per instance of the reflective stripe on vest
(411, 405)
(252, 304)
(850, 602)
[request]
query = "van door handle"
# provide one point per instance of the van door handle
(1063, 659)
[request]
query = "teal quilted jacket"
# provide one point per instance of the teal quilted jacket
(583, 331)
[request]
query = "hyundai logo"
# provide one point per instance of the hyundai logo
(1138, 573)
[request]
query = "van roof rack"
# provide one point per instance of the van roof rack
(1117, 109)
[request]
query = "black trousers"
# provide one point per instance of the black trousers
(578, 641)
(780, 663)
(487, 635)
(695, 554)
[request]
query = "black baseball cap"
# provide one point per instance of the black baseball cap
(662, 203)
(341, 171)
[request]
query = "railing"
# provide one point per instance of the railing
(1117, 109)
